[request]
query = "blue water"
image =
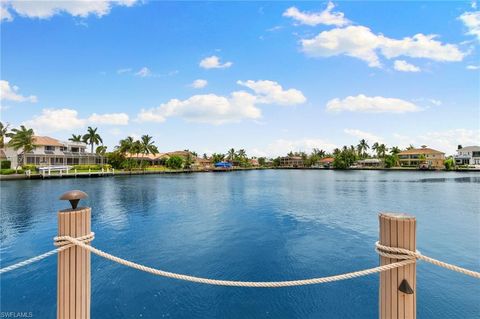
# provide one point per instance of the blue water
(254, 225)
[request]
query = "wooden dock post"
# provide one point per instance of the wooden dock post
(397, 296)
(73, 270)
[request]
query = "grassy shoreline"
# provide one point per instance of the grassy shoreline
(87, 174)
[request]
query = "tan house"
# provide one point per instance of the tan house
(291, 161)
(326, 162)
(48, 151)
(423, 157)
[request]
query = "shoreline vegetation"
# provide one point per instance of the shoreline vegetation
(141, 156)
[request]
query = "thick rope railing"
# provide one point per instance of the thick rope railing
(405, 256)
(61, 245)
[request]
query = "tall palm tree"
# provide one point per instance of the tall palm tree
(136, 148)
(76, 138)
(147, 146)
(362, 148)
(22, 138)
(242, 154)
(395, 150)
(101, 150)
(381, 150)
(125, 145)
(3, 133)
(410, 147)
(231, 154)
(375, 147)
(92, 137)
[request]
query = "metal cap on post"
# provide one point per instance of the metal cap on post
(74, 197)
(73, 283)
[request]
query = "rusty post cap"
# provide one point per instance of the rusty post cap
(74, 197)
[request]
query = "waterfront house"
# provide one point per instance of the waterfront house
(326, 162)
(48, 151)
(291, 161)
(469, 155)
(423, 157)
(369, 163)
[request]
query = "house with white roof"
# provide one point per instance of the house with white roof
(469, 155)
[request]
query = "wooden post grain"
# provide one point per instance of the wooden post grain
(73, 274)
(397, 230)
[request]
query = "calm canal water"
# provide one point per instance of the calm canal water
(254, 225)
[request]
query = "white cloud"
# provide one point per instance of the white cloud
(199, 84)
(216, 109)
(144, 72)
(47, 9)
(376, 104)
(281, 147)
(370, 137)
(404, 66)
(270, 92)
(52, 120)
(5, 15)
(213, 62)
(109, 118)
(125, 70)
(361, 43)
(326, 17)
(10, 93)
(207, 108)
(66, 119)
(472, 21)
(473, 67)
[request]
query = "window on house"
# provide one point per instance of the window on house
(49, 148)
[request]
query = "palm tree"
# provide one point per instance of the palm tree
(101, 150)
(76, 138)
(136, 148)
(92, 137)
(410, 147)
(362, 148)
(205, 156)
(147, 146)
(395, 150)
(381, 150)
(375, 147)
(22, 138)
(242, 154)
(3, 133)
(231, 155)
(125, 145)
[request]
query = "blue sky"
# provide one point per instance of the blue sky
(265, 76)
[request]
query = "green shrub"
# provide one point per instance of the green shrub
(87, 167)
(30, 167)
(9, 171)
(5, 164)
(175, 162)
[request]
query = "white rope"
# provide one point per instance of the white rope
(255, 284)
(406, 256)
(62, 245)
(401, 253)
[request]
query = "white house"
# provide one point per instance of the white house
(49, 151)
(469, 155)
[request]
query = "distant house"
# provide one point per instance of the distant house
(291, 161)
(161, 158)
(48, 151)
(369, 163)
(326, 162)
(223, 165)
(469, 155)
(422, 157)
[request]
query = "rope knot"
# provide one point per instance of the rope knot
(395, 252)
(65, 242)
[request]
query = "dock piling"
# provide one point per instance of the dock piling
(73, 270)
(397, 295)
